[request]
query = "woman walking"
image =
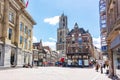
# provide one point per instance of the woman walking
(97, 67)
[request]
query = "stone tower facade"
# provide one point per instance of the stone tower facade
(61, 34)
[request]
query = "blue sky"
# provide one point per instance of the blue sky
(46, 12)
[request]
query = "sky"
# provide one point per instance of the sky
(46, 14)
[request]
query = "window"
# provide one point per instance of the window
(29, 32)
(29, 45)
(73, 42)
(63, 24)
(60, 33)
(22, 0)
(85, 39)
(21, 39)
(118, 7)
(60, 40)
(73, 39)
(63, 19)
(80, 40)
(21, 26)
(73, 49)
(25, 29)
(0, 55)
(25, 45)
(35, 47)
(11, 17)
(10, 34)
(0, 8)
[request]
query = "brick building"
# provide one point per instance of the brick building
(75, 45)
(79, 46)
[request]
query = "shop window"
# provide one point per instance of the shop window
(10, 34)
(73, 42)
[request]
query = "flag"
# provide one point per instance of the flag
(27, 3)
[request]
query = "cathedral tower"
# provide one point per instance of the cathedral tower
(62, 31)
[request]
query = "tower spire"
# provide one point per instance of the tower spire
(76, 25)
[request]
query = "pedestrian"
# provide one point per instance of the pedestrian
(97, 67)
(101, 68)
(104, 65)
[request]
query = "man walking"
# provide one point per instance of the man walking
(101, 68)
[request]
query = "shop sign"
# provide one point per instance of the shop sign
(115, 42)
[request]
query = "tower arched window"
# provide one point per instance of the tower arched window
(63, 20)
(60, 40)
(63, 24)
(60, 33)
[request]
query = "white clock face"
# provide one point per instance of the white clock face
(79, 34)
(72, 35)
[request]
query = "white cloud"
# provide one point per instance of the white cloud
(52, 45)
(34, 39)
(52, 39)
(52, 20)
(97, 42)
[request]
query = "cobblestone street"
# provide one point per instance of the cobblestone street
(52, 73)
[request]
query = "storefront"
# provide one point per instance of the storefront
(78, 59)
(115, 48)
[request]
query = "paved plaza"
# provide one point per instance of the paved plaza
(52, 73)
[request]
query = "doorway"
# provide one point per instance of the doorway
(12, 58)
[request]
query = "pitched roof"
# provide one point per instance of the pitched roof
(81, 30)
